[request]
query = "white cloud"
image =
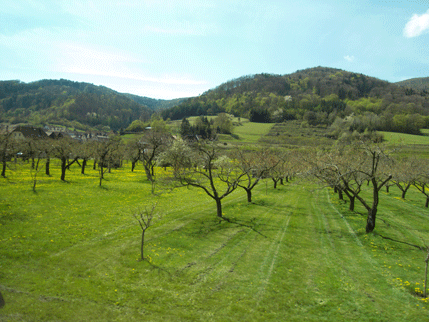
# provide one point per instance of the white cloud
(132, 76)
(417, 25)
(349, 58)
(76, 59)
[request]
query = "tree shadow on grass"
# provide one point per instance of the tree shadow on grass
(9, 217)
(156, 267)
(252, 224)
(203, 227)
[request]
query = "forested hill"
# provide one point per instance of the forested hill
(155, 104)
(418, 84)
(317, 95)
(74, 104)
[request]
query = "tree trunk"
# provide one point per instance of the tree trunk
(372, 212)
(340, 194)
(35, 175)
(387, 189)
(83, 166)
(63, 168)
(249, 195)
(275, 183)
(3, 171)
(148, 173)
(101, 174)
(47, 166)
(404, 192)
(370, 222)
(133, 165)
(427, 201)
(352, 203)
(2, 302)
(142, 245)
(219, 207)
(95, 165)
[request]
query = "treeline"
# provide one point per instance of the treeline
(317, 96)
(64, 102)
(206, 128)
(419, 84)
(155, 104)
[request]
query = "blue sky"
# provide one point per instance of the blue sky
(170, 49)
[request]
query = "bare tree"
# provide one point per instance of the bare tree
(85, 150)
(405, 172)
(64, 149)
(254, 167)
(212, 171)
(348, 168)
(48, 148)
(133, 151)
(29, 148)
(144, 219)
(106, 154)
(371, 162)
(421, 181)
(276, 161)
(41, 146)
(152, 144)
(7, 149)
(331, 169)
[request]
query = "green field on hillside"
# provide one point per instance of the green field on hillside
(408, 144)
(69, 252)
(405, 139)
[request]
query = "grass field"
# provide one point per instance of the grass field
(405, 139)
(408, 144)
(244, 132)
(69, 252)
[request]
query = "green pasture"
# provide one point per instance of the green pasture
(408, 144)
(249, 132)
(244, 132)
(69, 252)
(405, 139)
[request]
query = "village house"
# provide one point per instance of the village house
(28, 131)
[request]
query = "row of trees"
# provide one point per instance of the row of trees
(352, 169)
(203, 164)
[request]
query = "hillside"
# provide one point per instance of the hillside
(317, 96)
(417, 84)
(74, 104)
(155, 104)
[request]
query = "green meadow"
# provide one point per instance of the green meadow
(406, 139)
(70, 250)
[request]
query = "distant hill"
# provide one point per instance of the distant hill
(155, 104)
(73, 104)
(317, 96)
(418, 84)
